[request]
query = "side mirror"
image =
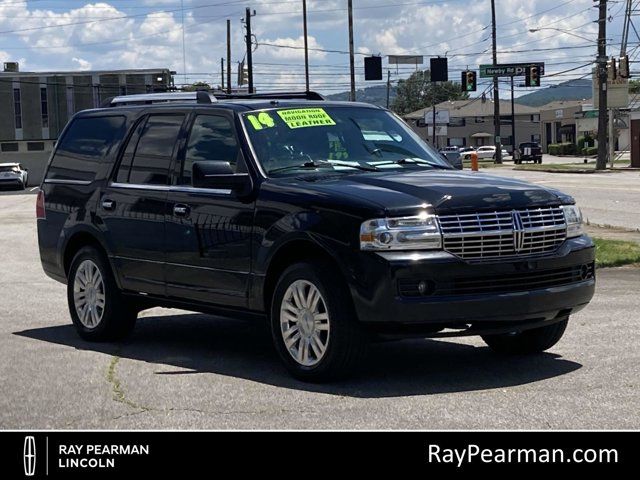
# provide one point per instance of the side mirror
(220, 175)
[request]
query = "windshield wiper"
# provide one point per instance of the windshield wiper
(417, 161)
(319, 164)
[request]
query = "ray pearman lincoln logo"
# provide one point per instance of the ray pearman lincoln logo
(29, 456)
(96, 456)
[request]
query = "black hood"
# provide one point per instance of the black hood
(440, 191)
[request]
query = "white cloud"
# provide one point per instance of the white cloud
(82, 64)
(292, 48)
(454, 27)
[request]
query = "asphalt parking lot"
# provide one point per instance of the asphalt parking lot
(189, 371)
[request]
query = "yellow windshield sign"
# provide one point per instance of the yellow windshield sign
(263, 120)
(306, 117)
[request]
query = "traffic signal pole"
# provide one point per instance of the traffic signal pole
(352, 64)
(513, 120)
(249, 49)
(496, 95)
(601, 62)
(306, 44)
(229, 56)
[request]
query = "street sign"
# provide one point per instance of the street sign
(441, 131)
(442, 117)
(509, 69)
(406, 59)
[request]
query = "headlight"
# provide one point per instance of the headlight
(573, 218)
(403, 233)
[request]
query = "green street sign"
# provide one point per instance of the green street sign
(508, 69)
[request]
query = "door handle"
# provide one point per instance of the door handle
(108, 204)
(181, 210)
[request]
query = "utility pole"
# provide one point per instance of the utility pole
(352, 65)
(601, 62)
(222, 74)
(496, 95)
(388, 87)
(612, 137)
(306, 44)
(248, 39)
(513, 120)
(229, 56)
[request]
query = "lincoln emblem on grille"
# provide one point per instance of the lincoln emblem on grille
(518, 231)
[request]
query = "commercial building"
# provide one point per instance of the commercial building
(558, 122)
(38, 105)
(471, 123)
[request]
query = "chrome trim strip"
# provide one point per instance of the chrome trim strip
(67, 182)
(170, 188)
(211, 269)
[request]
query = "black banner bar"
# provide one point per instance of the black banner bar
(190, 454)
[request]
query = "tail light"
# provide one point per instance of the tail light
(40, 212)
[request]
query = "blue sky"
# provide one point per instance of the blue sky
(118, 34)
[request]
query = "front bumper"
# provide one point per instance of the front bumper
(381, 303)
(11, 181)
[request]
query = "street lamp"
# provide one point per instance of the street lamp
(534, 30)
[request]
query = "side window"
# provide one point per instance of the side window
(85, 143)
(212, 138)
(147, 157)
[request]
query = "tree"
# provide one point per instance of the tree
(196, 86)
(418, 92)
(634, 86)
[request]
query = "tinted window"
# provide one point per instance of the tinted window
(85, 143)
(154, 150)
(211, 138)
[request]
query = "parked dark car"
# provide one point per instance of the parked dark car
(454, 158)
(528, 152)
(332, 221)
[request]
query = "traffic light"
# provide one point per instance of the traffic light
(612, 70)
(469, 81)
(623, 67)
(243, 74)
(532, 77)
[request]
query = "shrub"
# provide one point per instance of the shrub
(585, 142)
(563, 149)
(589, 151)
(553, 149)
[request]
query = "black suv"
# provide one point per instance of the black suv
(332, 221)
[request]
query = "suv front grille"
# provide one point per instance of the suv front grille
(494, 283)
(513, 233)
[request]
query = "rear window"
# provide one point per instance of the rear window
(85, 143)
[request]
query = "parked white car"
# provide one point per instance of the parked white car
(487, 151)
(13, 174)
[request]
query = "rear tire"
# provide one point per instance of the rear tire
(313, 324)
(97, 307)
(535, 340)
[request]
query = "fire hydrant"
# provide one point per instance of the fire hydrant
(474, 161)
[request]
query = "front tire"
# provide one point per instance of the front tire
(313, 324)
(535, 340)
(97, 307)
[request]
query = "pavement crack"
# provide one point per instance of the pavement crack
(117, 389)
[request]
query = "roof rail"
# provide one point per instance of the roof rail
(271, 96)
(152, 98)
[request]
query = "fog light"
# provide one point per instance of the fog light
(422, 287)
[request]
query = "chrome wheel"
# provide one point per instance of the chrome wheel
(89, 294)
(304, 323)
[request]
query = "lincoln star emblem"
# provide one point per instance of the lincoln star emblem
(518, 231)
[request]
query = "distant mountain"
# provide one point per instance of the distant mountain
(570, 90)
(376, 95)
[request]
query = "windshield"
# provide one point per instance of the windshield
(350, 139)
